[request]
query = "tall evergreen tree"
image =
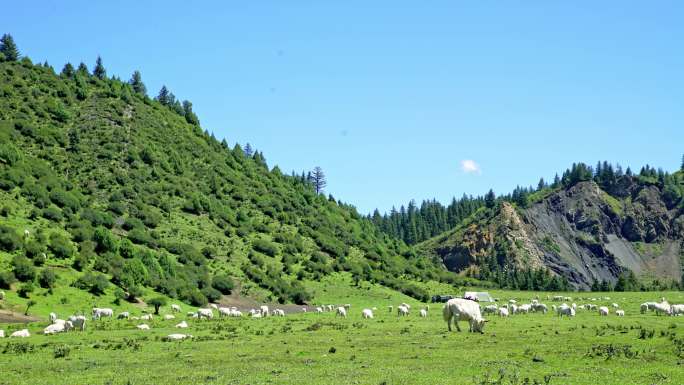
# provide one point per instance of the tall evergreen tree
(137, 83)
(682, 166)
(99, 71)
(82, 69)
(163, 96)
(190, 116)
(248, 150)
(8, 48)
(318, 179)
(490, 198)
(68, 71)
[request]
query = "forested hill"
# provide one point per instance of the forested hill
(598, 228)
(123, 190)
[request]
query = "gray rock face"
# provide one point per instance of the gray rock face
(582, 233)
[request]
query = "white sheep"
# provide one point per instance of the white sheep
(23, 333)
(319, 310)
(423, 313)
(123, 315)
(182, 325)
(402, 310)
(503, 312)
(620, 313)
(177, 337)
(169, 317)
(143, 327)
(367, 313)
(603, 311)
(175, 308)
(342, 312)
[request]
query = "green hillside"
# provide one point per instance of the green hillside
(126, 195)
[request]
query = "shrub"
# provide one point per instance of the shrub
(25, 290)
(104, 240)
(9, 239)
(212, 294)
(52, 214)
(33, 249)
(60, 246)
(94, 283)
(195, 297)
(23, 269)
(61, 351)
(47, 279)
(64, 199)
(266, 247)
(7, 278)
(223, 283)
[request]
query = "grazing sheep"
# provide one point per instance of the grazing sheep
(213, 306)
(347, 306)
(303, 310)
(147, 317)
(490, 309)
(205, 313)
(367, 313)
(78, 321)
(175, 308)
(677, 310)
(459, 309)
(182, 325)
(102, 312)
(503, 312)
(342, 312)
(319, 310)
(224, 311)
(23, 333)
(603, 311)
(512, 308)
(540, 307)
(55, 328)
(406, 305)
(169, 316)
(53, 317)
(177, 337)
(523, 309)
(264, 310)
(616, 305)
(402, 310)
(279, 313)
(512, 301)
(2, 333)
(143, 327)
(565, 310)
(620, 313)
(423, 313)
(662, 307)
(123, 315)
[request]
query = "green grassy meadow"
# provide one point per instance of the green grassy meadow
(310, 348)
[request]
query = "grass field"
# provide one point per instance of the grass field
(322, 349)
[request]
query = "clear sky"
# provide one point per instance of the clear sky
(397, 100)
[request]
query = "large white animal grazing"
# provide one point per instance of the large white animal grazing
(491, 309)
(459, 309)
(423, 313)
(512, 308)
(565, 310)
(102, 312)
(146, 317)
(175, 308)
(342, 312)
(523, 309)
(143, 327)
(603, 311)
(406, 305)
(53, 317)
(169, 316)
(123, 315)
(503, 312)
(177, 337)
(402, 310)
(620, 313)
(182, 325)
(205, 313)
(367, 313)
(319, 310)
(23, 333)
(540, 307)
(78, 321)
(616, 305)
(224, 312)
(279, 312)
(264, 310)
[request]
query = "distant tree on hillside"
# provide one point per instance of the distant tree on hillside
(163, 96)
(318, 179)
(137, 83)
(542, 184)
(248, 150)
(190, 116)
(68, 71)
(99, 71)
(682, 166)
(490, 198)
(8, 48)
(82, 69)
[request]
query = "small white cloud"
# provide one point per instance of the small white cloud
(469, 166)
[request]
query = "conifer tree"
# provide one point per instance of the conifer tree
(163, 96)
(137, 83)
(82, 69)
(8, 48)
(68, 71)
(99, 71)
(248, 150)
(318, 179)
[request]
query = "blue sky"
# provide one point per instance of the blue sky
(391, 97)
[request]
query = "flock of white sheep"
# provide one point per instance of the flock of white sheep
(456, 309)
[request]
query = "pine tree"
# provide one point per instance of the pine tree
(248, 150)
(68, 71)
(137, 83)
(318, 179)
(190, 116)
(163, 96)
(82, 69)
(99, 71)
(8, 48)
(682, 167)
(490, 199)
